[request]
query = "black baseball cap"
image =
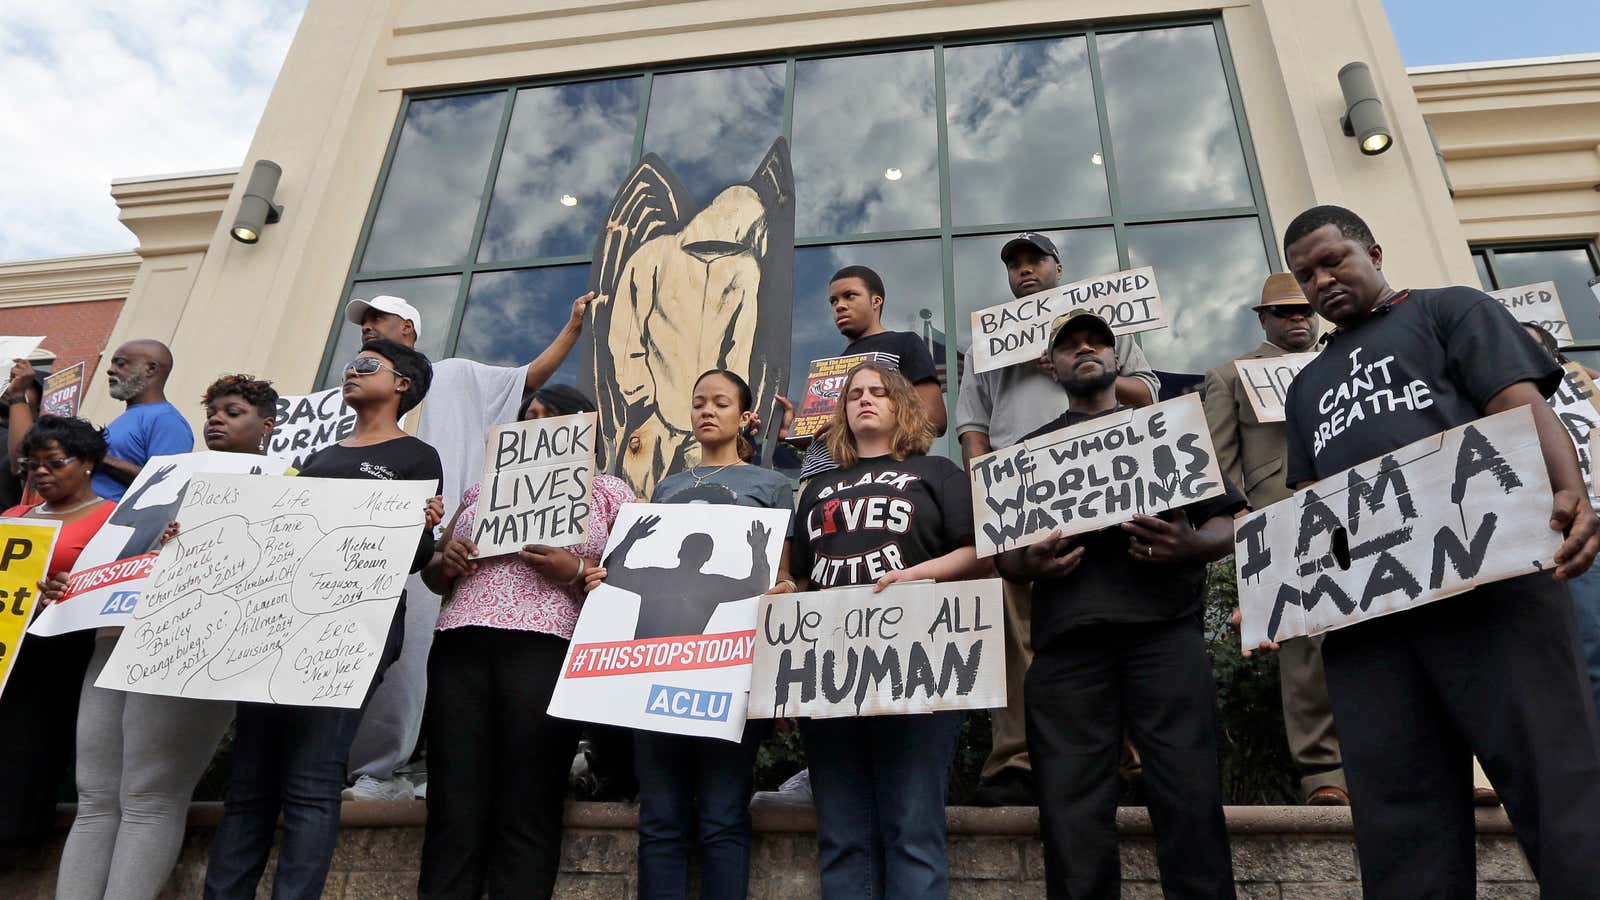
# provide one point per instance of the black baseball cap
(1080, 318)
(1029, 239)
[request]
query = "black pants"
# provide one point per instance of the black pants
(497, 764)
(1081, 692)
(1494, 672)
(39, 717)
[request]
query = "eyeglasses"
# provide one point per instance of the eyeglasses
(54, 465)
(367, 365)
(1290, 312)
(876, 390)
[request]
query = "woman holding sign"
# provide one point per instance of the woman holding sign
(497, 761)
(140, 755)
(40, 703)
(889, 513)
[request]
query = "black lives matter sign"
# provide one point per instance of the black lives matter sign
(538, 478)
(1424, 522)
(1019, 331)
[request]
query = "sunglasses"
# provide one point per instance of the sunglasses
(1290, 312)
(54, 465)
(877, 390)
(367, 365)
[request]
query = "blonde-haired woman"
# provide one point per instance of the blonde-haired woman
(889, 513)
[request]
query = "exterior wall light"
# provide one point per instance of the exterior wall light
(256, 210)
(1363, 111)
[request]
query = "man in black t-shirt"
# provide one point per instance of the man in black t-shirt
(1494, 671)
(1117, 643)
(856, 297)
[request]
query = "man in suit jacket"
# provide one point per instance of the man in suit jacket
(1251, 453)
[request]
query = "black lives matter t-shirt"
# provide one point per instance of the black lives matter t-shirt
(1427, 362)
(895, 349)
(1109, 585)
(401, 459)
(855, 525)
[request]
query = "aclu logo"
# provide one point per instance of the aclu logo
(120, 602)
(688, 703)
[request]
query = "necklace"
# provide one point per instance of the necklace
(45, 509)
(702, 479)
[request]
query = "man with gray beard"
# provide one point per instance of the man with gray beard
(150, 427)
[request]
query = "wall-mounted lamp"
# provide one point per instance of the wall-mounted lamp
(256, 210)
(1363, 111)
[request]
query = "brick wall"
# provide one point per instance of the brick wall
(75, 331)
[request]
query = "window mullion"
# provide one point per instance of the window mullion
(485, 199)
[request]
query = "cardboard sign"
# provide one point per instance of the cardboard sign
(63, 392)
(917, 647)
(1094, 475)
(1019, 331)
(664, 644)
(1427, 521)
(537, 478)
(1266, 382)
(15, 348)
(276, 590)
(824, 380)
(1538, 304)
(25, 548)
(1577, 404)
(111, 571)
(308, 423)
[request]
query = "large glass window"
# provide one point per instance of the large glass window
(1570, 264)
(1124, 144)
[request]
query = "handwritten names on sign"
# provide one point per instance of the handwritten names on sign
(25, 548)
(1094, 474)
(1266, 382)
(824, 380)
(276, 590)
(917, 647)
(1019, 331)
(1537, 304)
(1432, 519)
(537, 482)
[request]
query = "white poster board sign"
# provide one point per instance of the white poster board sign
(1266, 382)
(917, 647)
(1577, 404)
(1430, 520)
(276, 590)
(1019, 331)
(306, 424)
(1538, 304)
(103, 589)
(664, 644)
(1094, 475)
(14, 348)
(537, 484)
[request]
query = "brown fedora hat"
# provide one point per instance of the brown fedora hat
(1281, 290)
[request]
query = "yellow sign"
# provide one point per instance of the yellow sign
(25, 548)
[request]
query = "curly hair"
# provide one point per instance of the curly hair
(76, 438)
(254, 391)
(913, 432)
(1349, 224)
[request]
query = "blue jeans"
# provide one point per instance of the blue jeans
(880, 784)
(288, 758)
(1586, 608)
(690, 786)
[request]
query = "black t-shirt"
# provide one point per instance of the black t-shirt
(1427, 362)
(855, 525)
(1110, 586)
(401, 459)
(896, 349)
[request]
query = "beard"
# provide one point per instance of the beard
(128, 387)
(1089, 385)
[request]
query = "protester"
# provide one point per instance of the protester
(993, 411)
(497, 761)
(150, 426)
(1117, 643)
(856, 297)
(1250, 453)
(880, 781)
(1494, 670)
(40, 704)
(23, 393)
(292, 758)
(466, 400)
(140, 755)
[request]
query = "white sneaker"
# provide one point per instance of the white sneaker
(794, 792)
(369, 788)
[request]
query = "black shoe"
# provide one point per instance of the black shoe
(1012, 787)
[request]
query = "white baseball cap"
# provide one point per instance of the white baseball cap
(384, 303)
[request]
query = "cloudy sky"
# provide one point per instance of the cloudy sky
(96, 90)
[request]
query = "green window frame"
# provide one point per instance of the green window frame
(1118, 219)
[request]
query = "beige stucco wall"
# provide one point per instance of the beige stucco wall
(1521, 144)
(268, 308)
